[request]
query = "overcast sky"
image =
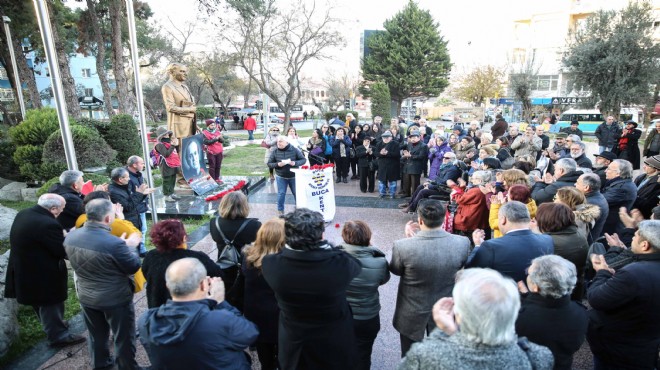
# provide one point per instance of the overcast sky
(477, 30)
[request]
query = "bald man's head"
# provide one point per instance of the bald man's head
(183, 277)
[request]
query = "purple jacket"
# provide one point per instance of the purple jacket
(435, 156)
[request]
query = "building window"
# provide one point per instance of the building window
(86, 72)
(317, 93)
(89, 92)
(323, 94)
(546, 82)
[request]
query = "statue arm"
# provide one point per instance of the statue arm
(171, 102)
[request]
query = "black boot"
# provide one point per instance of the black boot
(345, 180)
(338, 179)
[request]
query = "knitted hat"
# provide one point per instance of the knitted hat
(653, 162)
(561, 135)
(162, 131)
(209, 122)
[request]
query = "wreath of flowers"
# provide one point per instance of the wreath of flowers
(318, 167)
(221, 194)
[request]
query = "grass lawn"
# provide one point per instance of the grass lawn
(244, 161)
(260, 136)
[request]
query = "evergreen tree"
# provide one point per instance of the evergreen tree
(410, 57)
(615, 57)
(381, 102)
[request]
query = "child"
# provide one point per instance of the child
(213, 143)
(170, 162)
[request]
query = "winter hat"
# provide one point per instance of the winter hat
(209, 122)
(653, 162)
(457, 128)
(162, 131)
(386, 134)
(632, 123)
(607, 155)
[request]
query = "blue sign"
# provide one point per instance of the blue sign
(502, 101)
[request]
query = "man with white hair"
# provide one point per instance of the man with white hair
(70, 187)
(578, 154)
(624, 330)
(619, 191)
(196, 320)
(565, 174)
(283, 159)
(484, 306)
(547, 315)
(36, 272)
(589, 185)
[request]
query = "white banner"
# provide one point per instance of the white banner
(315, 190)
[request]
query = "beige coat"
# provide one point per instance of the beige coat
(178, 103)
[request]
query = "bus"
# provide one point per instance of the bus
(590, 119)
(296, 112)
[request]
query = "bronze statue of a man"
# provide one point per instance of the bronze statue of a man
(179, 102)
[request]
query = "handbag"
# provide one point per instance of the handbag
(264, 144)
(139, 280)
(229, 257)
(316, 151)
(351, 152)
(373, 165)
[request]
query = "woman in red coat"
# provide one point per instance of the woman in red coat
(472, 211)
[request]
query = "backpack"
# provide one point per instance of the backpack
(155, 158)
(229, 256)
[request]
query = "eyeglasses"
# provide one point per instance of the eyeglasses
(275, 130)
(446, 158)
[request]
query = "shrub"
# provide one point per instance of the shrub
(204, 113)
(28, 158)
(124, 137)
(38, 125)
(91, 149)
(96, 180)
(101, 126)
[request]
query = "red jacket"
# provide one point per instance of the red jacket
(472, 212)
(250, 124)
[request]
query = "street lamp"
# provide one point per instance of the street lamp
(17, 79)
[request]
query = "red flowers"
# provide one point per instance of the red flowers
(336, 226)
(221, 194)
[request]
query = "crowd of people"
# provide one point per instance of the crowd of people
(495, 271)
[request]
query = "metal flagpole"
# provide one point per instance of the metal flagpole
(17, 78)
(43, 19)
(140, 103)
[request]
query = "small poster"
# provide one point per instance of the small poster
(315, 190)
(193, 165)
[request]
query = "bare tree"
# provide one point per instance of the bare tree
(216, 70)
(279, 44)
(480, 83)
(522, 81)
(340, 89)
(126, 100)
(97, 36)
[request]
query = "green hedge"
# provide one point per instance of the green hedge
(124, 137)
(91, 149)
(36, 128)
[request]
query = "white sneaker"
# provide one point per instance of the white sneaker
(169, 199)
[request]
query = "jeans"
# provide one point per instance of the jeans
(281, 190)
(382, 187)
(121, 320)
(250, 134)
(143, 220)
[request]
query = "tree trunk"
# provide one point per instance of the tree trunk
(26, 74)
(5, 112)
(68, 83)
(126, 100)
(100, 58)
(150, 111)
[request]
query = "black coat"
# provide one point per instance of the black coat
(559, 324)
(570, 244)
(631, 152)
(619, 193)
(259, 304)
(36, 272)
(316, 324)
(136, 180)
(624, 330)
(128, 199)
(155, 264)
(419, 157)
(73, 208)
(363, 157)
(608, 135)
(542, 192)
(389, 168)
(596, 198)
(647, 195)
(569, 131)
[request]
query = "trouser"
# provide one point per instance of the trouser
(168, 184)
(143, 220)
(121, 320)
(329, 158)
(367, 178)
(409, 183)
(215, 161)
(250, 134)
(354, 168)
(365, 335)
(282, 183)
(52, 321)
(419, 194)
(382, 186)
(267, 353)
(406, 342)
(342, 166)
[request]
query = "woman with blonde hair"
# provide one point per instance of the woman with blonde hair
(513, 177)
(585, 214)
(259, 303)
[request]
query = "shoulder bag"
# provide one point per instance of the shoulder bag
(229, 257)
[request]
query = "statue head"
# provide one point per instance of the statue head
(177, 71)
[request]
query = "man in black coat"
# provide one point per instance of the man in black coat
(135, 166)
(565, 174)
(619, 191)
(547, 315)
(121, 192)
(608, 134)
(648, 187)
(36, 273)
(70, 188)
(447, 171)
(415, 156)
(628, 145)
(573, 129)
(624, 330)
(580, 157)
(600, 166)
(388, 155)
